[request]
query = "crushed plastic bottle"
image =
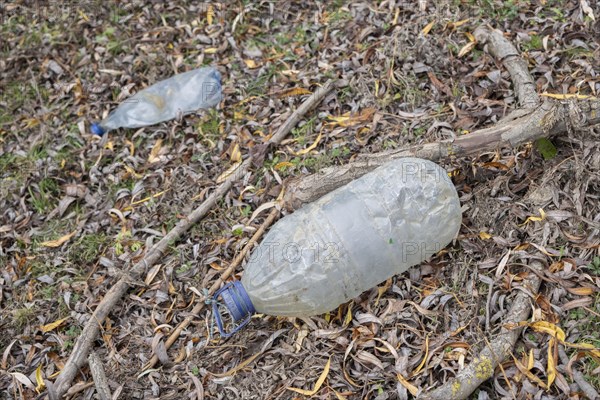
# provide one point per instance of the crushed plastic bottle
(348, 241)
(179, 95)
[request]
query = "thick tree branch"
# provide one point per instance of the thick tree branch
(504, 50)
(535, 120)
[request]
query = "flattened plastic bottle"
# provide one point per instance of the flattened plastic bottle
(179, 95)
(348, 241)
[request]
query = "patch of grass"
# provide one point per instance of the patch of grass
(389, 144)
(112, 41)
(340, 15)
(8, 161)
(497, 9)
(124, 243)
(419, 131)
(345, 93)
(534, 43)
(88, 248)
(209, 127)
(72, 334)
(595, 265)
(48, 292)
(587, 325)
(246, 211)
(315, 163)
(301, 132)
(43, 199)
(23, 316)
(183, 268)
(407, 90)
(39, 267)
(15, 95)
(257, 87)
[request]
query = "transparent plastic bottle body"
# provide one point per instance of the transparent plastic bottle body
(179, 95)
(353, 238)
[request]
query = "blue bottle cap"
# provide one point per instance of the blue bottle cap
(238, 303)
(97, 129)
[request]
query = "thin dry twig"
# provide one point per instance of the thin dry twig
(84, 342)
(198, 307)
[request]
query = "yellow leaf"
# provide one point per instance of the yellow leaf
(484, 235)
(318, 384)
(250, 64)
(145, 199)
(283, 164)
(411, 388)
(454, 173)
(339, 395)
(466, 49)
(131, 147)
(522, 246)
(31, 122)
(58, 242)
(38, 378)
(311, 147)
(228, 172)
(210, 50)
(84, 16)
(132, 172)
(567, 96)
(381, 290)
(549, 328)
(347, 120)
(348, 318)
(459, 23)
(470, 36)
(422, 364)
(530, 361)
(236, 154)
(153, 157)
(53, 325)
(428, 27)
(293, 92)
(587, 347)
(534, 219)
(581, 291)
(551, 363)
(210, 13)
(528, 373)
